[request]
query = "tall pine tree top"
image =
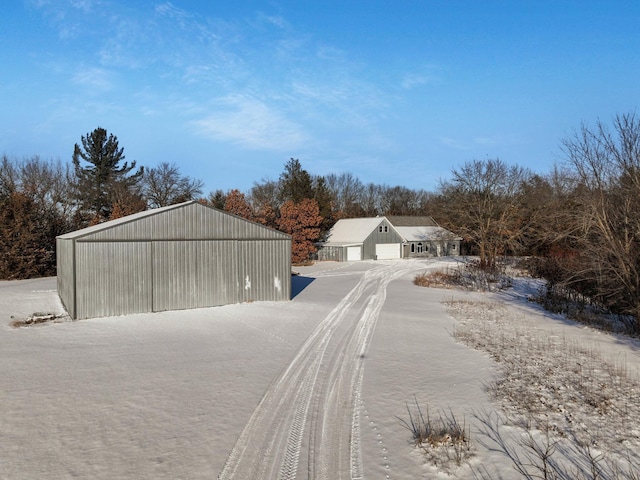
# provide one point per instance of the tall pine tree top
(104, 180)
(295, 182)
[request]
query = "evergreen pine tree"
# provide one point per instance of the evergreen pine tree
(102, 181)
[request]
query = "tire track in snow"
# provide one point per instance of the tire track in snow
(343, 435)
(272, 441)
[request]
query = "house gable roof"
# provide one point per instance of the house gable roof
(352, 230)
(411, 221)
(422, 234)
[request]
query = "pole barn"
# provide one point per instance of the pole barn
(182, 256)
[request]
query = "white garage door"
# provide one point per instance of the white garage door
(353, 254)
(386, 251)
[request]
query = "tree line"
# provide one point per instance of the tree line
(581, 221)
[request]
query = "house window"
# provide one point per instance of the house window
(380, 228)
(453, 246)
(386, 229)
(420, 247)
(413, 248)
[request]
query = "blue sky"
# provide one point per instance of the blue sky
(394, 92)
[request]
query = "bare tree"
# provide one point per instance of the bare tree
(605, 218)
(164, 185)
(265, 193)
(484, 202)
(400, 200)
(347, 193)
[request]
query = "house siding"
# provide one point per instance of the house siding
(431, 249)
(376, 237)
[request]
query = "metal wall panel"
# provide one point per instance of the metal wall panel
(112, 278)
(66, 274)
(185, 257)
(265, 270)
(194, 274)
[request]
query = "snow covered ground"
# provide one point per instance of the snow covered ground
(310, 388)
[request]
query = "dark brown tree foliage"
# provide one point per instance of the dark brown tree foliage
(33, 211)
(237, 204)
(302, 221)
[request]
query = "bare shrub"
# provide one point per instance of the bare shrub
(577, 411)
(542, 454)
(558, 298)
(471, 276)
(444, 440)
(437, 279)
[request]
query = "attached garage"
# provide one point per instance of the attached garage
(353, 239)
(388, 251)
(354, 253)
(178, 257)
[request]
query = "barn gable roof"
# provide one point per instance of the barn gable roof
(188, 220)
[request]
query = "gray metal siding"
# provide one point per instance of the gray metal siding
(264, 270)
(188, 257)
(119, 278)
(112, 278)
(194, 274)
(66, 274)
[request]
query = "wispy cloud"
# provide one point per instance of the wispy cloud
(251, 124)
(176, 14)
(67, 15)
(456, 143)
(428, 75)
(96, 78)
(276, 20)
(85, 5)
(275, 88)
(413, 80)
(487, 141)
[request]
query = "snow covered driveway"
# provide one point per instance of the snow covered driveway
(310, 388)
(308, 422)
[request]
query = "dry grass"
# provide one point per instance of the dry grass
(469, 276)
(438, 279)
(444, 440)
(573, 305)
(586, 406)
